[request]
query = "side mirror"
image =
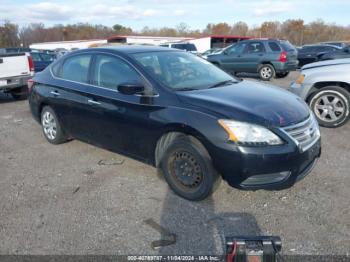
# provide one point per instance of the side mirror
(225, 52)
(130, 88)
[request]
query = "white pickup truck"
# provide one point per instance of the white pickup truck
(15, 70)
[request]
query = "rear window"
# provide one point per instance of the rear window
(287, 46)
(76, 68)
(274, 47)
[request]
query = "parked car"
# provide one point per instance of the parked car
(15, 70)
(41, 60)
(313, 53)
(325, 86)
(189, 47)
(338, 44)
(268, 57)
(180, 113)
(338, 54)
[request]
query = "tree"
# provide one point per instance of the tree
(183, 29)
(294, 30)
(9, 35)
(240, 29)
(221, 29)
(122, 30)
(270, 29)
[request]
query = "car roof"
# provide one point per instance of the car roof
(132, 49)
(322, 45)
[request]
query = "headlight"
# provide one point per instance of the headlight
(300, 79)
(249, 134)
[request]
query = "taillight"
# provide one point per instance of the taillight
(283, 57)
(30, 84)
(31, 64)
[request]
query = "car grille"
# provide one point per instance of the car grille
(304, 134)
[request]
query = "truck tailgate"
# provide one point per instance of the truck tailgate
(14, 65)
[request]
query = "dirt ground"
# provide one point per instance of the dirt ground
(79, 199)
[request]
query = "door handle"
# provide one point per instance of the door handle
(55, 93)
(93, 102)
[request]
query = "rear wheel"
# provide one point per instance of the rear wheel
(331, 106)
(51, 127)
(266, 72)
(187, 167)
(19, 93)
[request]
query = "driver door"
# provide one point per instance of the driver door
(233, 60)
(116, 121)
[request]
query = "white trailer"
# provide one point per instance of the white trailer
(68, 45)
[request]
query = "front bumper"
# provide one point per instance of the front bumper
(301, 90)
(273, 168)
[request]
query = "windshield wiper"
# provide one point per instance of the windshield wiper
(223, 83)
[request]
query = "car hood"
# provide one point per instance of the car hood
(249, 101)
(327, 63)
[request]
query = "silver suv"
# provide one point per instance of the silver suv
(325, 86)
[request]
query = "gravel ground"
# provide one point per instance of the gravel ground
(78, 199)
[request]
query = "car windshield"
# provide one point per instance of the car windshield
(183, 71)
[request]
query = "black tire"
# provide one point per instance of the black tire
(188, 169)
(324, 111)
(282, 75)
(266, 72)
(17, 96)
(59, 137)
(19, 93)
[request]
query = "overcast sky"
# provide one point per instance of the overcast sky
(157, 13)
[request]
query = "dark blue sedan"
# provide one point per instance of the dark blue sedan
(180, 113)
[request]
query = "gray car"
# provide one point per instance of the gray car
(268, 57)
(325, 86)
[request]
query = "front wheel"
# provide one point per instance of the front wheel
(331, 106)
(188, 169)
(266, 72)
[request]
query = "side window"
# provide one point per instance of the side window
(236, 49)
(111, 71)
(274, 47)
(76, 68)
(255, 47)
(56, 69)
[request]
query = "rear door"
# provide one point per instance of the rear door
(253, 54)
(67, 93)
(292, 53)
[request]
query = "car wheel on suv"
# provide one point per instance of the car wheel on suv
(188, 169)
(266, 72)
(331, 106)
